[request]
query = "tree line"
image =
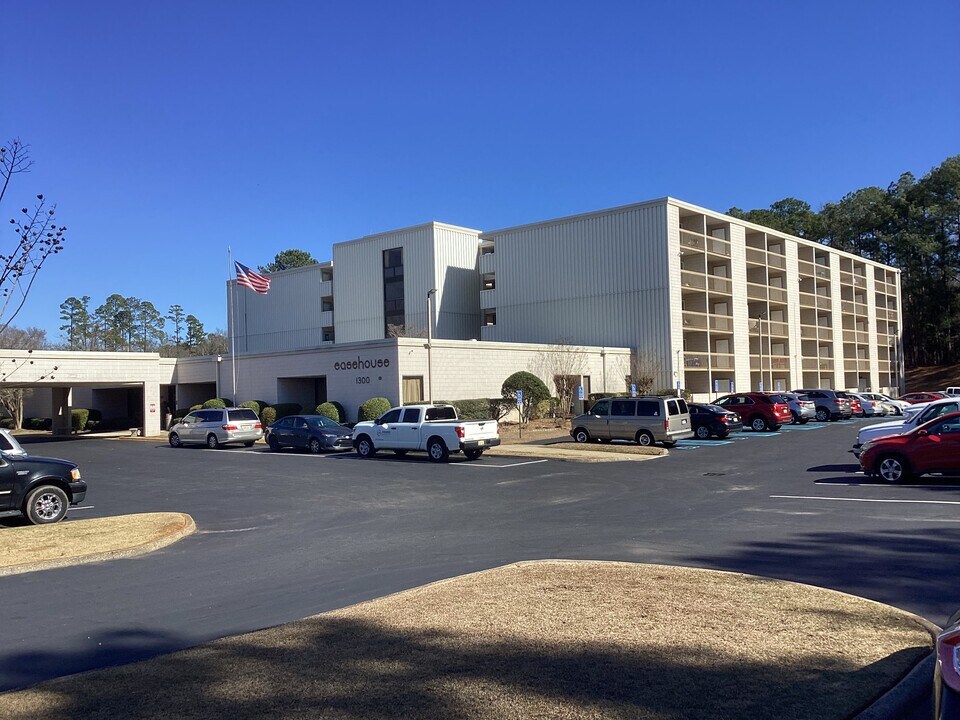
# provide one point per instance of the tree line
(912, 224)
(133, 325)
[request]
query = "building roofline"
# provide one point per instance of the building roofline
(420, 226)
(577, 216)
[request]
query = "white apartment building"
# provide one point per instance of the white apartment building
(711, 303)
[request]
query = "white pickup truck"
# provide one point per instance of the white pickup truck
(435, 429)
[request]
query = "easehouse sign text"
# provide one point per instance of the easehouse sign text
(361, 364)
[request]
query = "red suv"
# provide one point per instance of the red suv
(922, 397)
(934, 447)
(758, 410)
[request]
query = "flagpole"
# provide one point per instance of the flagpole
(231, 321)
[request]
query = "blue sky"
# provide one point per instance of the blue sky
(167, 131)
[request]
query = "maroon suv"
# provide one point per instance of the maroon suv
(934, 447)
(758, 410)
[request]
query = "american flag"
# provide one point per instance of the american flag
(248, 278)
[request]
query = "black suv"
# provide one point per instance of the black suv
(39, 488)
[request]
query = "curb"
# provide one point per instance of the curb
(188, 527)
(906, 696)
(585, 456)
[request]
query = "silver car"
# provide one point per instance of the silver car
(802, 409)
(216, 427)
(645, 420)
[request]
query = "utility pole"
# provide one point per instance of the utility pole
(430, 293)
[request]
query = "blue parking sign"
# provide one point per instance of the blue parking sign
(731, 386)
(579, 392)
(633, 389)
(519, 397)
(716, 386)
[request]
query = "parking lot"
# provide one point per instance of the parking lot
(286, 535)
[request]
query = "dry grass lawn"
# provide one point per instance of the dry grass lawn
(36, 547)
(548, 639)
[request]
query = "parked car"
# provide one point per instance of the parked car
(758, 410)
(914, 417)
(315, 433)
(710, 420)
(919, 397)
(933, 447)
(435, 429)
(645, 420)
(9, 444)
(872, 408)
(216, 427)
(856, 407)
(952, 391)
(801, 409)
(830, 405)
(898, 405)
(39, 488)
(946, 673)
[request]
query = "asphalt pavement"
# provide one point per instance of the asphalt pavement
(284, 536)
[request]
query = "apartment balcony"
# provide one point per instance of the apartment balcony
(691, 240)
(770, 362)
(326, 288)
(488, 299)
(808, 300)
(824, 302)
(326, 318)
(719, 285)
(708, 361)
(715, 246)
(487, 263)
(857, 365)
(756, 292)
(757, 257)
(776, 329)
(776, 261)
(777, 295)
(703, 321)
(722, 361)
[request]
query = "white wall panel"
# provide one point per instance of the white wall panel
(286, 318)
(457, 309)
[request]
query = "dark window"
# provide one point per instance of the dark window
(441, 413)
(682, 404)
(601, 408)
(212, 416)
(411, 416)
(245, 415)
(673, 407)
(391, 417)
(394, 316)
(648, 408)
(622, 407)
(284, 424)
(5, 444)
(323, 422)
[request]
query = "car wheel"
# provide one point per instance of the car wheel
(174, 440)
(46, 504)
(644, 438)
(796, 417)
(315, 446)
(273, 443)
(703, 432)
(212, 441)
(437, 450)
(365, 448)
(669, 443)
(892, 469)
(803, 421)
(581, 435)
(472, 454)
(759, 424)
(399, 453)
(823, 415)
(722, 435)
(249, 443)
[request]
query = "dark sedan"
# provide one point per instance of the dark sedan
(947, 673)
(315, 433)
(713, 420)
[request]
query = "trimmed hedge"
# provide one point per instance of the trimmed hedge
(95, 416)
(38, 423)
(78, 418)
(593, 397)
(534, 391)
(8, 424)
(256, 405)
(340, 409)
(268, 416)
(195, 407)
(214, 403)
(284, 409)
(328, 410)
(672, 392)
(372, 409)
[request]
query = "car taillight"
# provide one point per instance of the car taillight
(258, 426)
(666, 426)
(460, 431)
(948, 658)
(229, 427)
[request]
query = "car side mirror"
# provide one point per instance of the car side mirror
(378, 421)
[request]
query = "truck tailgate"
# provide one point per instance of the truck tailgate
(479, 430)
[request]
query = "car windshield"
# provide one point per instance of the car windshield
(246, 414)
(324, 422)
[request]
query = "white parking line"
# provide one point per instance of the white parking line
(868, 500)
(497, 467)
(82, 507)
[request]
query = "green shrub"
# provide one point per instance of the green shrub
(285, 409)
(78, 419)
(95, 416)
(195, 407)
(328, 410)
(340, 409)
(544, 409)
(252, 404)
(214, 403)
(93, 425)
(500, 407)
(478, 409)
(534, 391)
(8, 423)
(593, 397)
(372, 409)
(268, 416)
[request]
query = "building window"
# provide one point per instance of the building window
(412, 389)
(394, 316)
(489, 281)
(490, 317)
(327, 334)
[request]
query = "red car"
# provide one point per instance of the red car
(919, 397)
(758, 410)
(933, 447)
(856, 407)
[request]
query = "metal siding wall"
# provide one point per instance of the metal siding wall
(595, 280)
(358, 282)
(287, 318)
(457, 309)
